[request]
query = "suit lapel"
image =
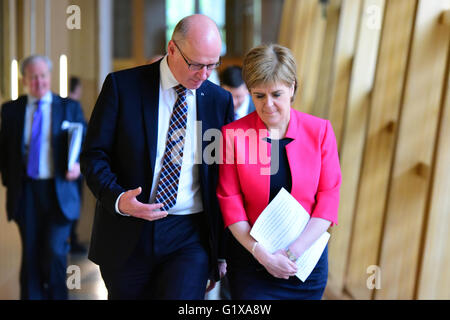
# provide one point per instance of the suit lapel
(57, 113)
(57, 117)
(150, 100)
(21, 123)
(202, 99)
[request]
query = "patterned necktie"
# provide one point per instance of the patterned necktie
(34, 149)
(166, 192)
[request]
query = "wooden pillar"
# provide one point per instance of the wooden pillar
(344, 53)
(311, 59)
(56, 37)
(287, 22)
(327, 60)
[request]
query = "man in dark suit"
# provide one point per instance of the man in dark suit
(42, 195)
(158, 230)
(231, 80)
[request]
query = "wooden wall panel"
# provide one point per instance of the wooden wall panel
(405, 216)
(58, 38)
(287, 22)
(434, 282)
(353, 140)
(344, 53)
(311, 59)
(380, 144)
(327, 59)
(299, 39)
(393, 137)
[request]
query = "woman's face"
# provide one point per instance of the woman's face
(272, 103)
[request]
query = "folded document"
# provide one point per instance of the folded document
(280, 223)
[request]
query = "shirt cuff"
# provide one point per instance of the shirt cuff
(117, 206)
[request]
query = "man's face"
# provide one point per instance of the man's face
(37, 79)
(191, 79)
(239, 94)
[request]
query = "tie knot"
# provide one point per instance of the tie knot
(181, 90)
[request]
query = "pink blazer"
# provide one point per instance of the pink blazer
(244, 185)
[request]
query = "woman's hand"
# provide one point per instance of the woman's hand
(277, 264)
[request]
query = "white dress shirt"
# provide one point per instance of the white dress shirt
(189, 198)
(46, 166)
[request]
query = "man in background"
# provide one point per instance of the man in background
(42, 193)
(232, 81)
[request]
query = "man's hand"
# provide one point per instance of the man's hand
(222, 271)
(128, 204)
(74, 172)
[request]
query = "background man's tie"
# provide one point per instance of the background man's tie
(167, 190)
(34, 149)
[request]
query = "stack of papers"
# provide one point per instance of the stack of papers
(282, 222)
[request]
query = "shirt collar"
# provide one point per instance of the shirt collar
(47, 98)
(168, 80)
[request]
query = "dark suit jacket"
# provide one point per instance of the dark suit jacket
(13, 160)
(119, 155)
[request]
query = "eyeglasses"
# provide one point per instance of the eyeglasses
(197, 66)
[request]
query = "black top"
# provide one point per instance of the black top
(280, 173)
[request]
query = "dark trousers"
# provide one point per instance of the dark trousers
(44, 232)
(170, 262)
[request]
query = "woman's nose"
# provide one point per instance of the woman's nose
(269, 101)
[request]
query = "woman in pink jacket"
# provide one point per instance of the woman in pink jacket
(272, 148)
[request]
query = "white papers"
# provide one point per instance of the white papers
(280, 223)
(75, 137)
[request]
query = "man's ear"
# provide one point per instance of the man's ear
(171, 48)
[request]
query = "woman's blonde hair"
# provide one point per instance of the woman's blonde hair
(270, 63)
